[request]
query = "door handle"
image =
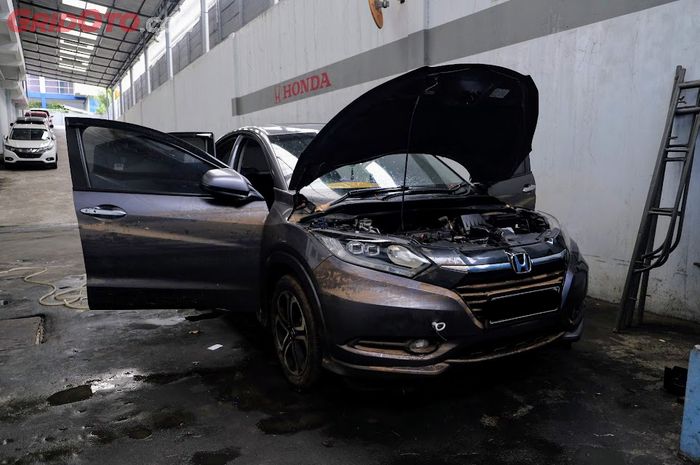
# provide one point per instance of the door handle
(527, 188)
(104, 211)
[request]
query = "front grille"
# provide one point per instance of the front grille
(502, 300)
(27, 154)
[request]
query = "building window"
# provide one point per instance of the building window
(54, 86)
(33, 84)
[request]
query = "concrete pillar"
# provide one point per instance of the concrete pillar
(112, 105)
(204, 22)
(148, 70)
(690, 431)
(168, 51)
(121, 99)
(131, 87)
(42, 90)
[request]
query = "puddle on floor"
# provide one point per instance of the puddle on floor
(218, 457)
(70, 395)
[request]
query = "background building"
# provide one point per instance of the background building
(604, 70)
(51, 93)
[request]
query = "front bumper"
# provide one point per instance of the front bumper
(47, 158)
(371, 317)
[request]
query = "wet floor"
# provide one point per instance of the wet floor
(143, 387)
(113, 387)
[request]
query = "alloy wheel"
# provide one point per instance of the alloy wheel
(290, 333)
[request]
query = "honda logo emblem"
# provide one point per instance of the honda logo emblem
(520, 262)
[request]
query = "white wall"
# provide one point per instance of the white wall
(604, 90)
(8, 114)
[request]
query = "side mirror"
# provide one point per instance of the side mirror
(226, 183)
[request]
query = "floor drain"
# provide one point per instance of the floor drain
(21, 332)
(4, 302)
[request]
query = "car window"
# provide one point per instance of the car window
(127, 161)
(224, 147)
(521, 171)
(29, 134)
(287, 148)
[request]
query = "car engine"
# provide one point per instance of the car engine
(506, 227)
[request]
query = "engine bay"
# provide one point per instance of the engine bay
(506, 227)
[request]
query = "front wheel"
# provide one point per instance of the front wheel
(295, 333)
(53, 165)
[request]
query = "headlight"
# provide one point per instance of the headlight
(9, 147)
(554, 225)
(379, 254)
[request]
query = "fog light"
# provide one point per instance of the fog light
(8, 159)
(421, 346)
(49, 159)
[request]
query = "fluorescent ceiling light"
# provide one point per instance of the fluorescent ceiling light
(79, 34)
(72, 68)
(85, 5)
(83, 56)
(73, 61)
(77, 45)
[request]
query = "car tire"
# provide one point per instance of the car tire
(53, 165)
(294, 330)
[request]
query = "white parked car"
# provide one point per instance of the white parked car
(30, 144)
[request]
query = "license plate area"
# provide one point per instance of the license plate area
(512, 308)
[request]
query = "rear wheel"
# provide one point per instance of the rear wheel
(294, 332)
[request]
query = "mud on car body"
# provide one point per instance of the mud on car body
(399, 238)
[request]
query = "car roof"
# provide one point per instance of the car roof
(274, 129)
(30, 119)
(25, 126)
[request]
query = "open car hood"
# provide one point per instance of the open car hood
(482, 116)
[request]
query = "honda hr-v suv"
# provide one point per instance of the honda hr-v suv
(30, 142)
(400, 238)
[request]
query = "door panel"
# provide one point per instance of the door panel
(170, 251)
(520, 190)
(151, 237)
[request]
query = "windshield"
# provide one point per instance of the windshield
(287, 149)
(422, 170)
(29, 134)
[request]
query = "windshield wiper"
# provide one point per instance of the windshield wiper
(433, 190)
(367, 192)
(459, 187)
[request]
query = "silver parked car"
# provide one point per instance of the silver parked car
(399, 238)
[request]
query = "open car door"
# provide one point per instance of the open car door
(151, 236)
(519, 190)
(202, 140)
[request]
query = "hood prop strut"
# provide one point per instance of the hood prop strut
(405, 165)
(428, 90)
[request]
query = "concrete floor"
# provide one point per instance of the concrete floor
(141, 387)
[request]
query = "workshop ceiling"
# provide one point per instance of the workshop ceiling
(98, 57)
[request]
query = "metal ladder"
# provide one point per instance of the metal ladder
(646, 257)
